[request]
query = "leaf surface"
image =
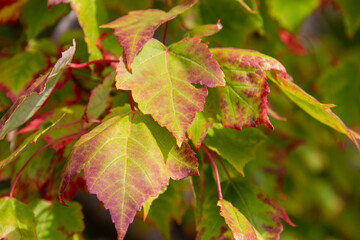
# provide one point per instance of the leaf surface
(44, 17)
(204, 30)
(162, 80)
(122, 164)
(138, 27)
(243, 101)
(10, 11)
(350, 14)
(55, 221)
(313, 107)
(17, 221)
(52, 3)
(98, 100)
(91, 14)
(18, 71)
(237, 147)
(27, 104)
(262, 212)
(237, 222)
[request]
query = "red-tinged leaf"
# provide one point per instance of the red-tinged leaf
(138, 27)
(18, 72)
(292, 42)
(98, 100)
(17, 220)
(163, 86)
(122, 164)
(52, 3)
(181, 162)
(244, 98)
(31, 140)
(204, 30)
(33, 98)
(35, 124)
(237, 222)
(263, 213)
(198, 129)
(10, 10)
(309, 104)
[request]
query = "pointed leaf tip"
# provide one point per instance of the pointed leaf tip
(168, 94)
(136, 28)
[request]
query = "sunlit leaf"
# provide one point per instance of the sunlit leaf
(204, 30)
(138, 27)
(243, 101)
(27, 104)
(163, 86)
(91, 14)
(55, 221)
(17, 220)
(198, 129)
(239, 225)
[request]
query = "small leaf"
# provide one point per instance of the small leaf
(122, 164)
(57, 222)
(198, 129)
(138, 27)
(17, 220)
(309, 104)
(98, 100)
(163, 86)
(246, 6)
(237, 147)
(10, 11)
(239, 225)
(350, 14)
(204, 30)
(91, 14)
(27, 104)
(243, 101)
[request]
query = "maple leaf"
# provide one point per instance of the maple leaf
(138, 27)
(237, 222)
(28, 103)
(123, 165)
(244, 98)
(163, 86)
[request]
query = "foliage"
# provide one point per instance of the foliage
(179, 109)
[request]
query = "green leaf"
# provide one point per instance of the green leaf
(10, 11)
(291, 14)
(163, 86)
(17, 220)
(350, 14)
(91, 14)
(18, 71)
(27, 104)
(138, 27)
(198, 129)
(125, 6)
(309, 104)
(239, 225)
(237, 147)
(98, 100)
(262, 212)
(204, 30)
(36, 16)
(31, 140)
(57, 222)
(243, 101)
